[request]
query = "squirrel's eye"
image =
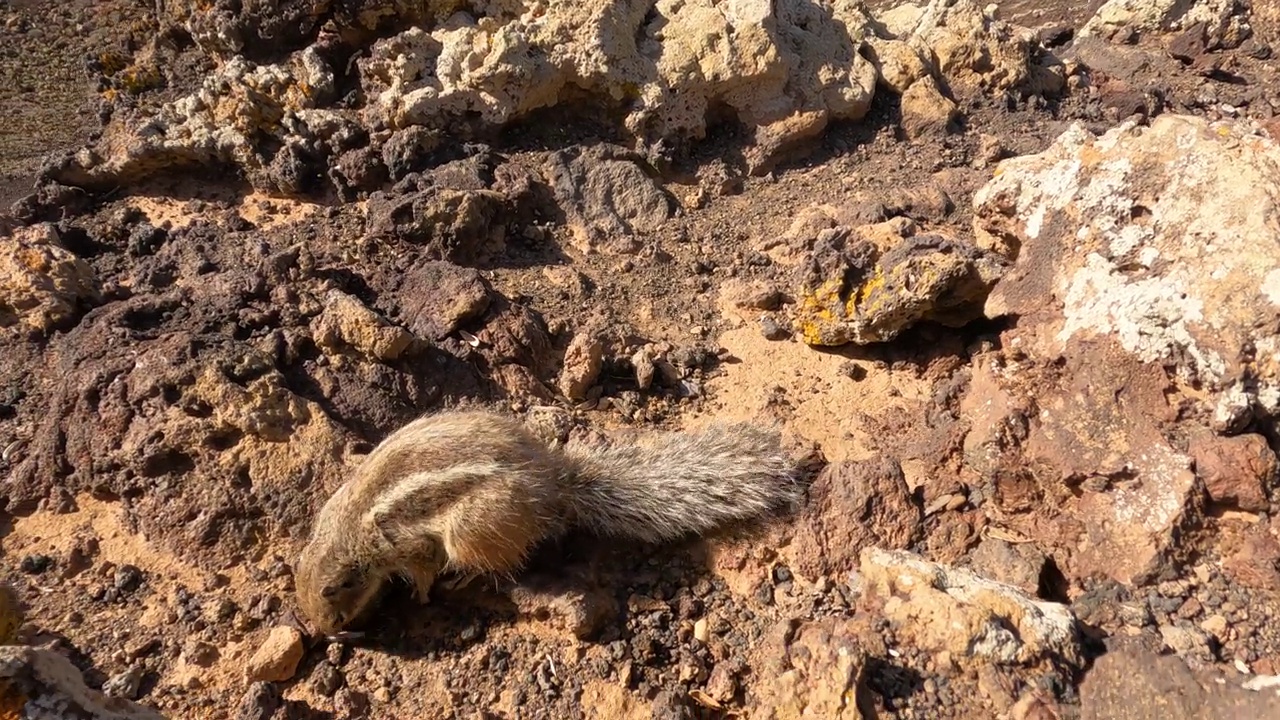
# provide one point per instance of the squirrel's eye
(348, 583)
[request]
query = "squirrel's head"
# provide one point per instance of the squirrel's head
(335, 582)
(333, 590)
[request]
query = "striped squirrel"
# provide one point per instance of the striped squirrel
(473, 492)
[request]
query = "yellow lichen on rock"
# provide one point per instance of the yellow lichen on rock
(818, 313)
(927, 277)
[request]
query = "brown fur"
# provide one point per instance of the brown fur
(475, 492)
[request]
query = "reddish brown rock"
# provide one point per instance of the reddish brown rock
(1087, 435)
(854, 505)
(1018, 564)
(438, 297)
(1236, 471)
(582, 364)
(1256, 563)
(1134, 683)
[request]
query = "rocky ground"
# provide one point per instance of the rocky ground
(1006, 276)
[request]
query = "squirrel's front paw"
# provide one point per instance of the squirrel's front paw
(459, 582)
(422, 581)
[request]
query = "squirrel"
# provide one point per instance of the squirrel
(474, 492)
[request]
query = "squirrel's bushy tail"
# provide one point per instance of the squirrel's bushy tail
(671, 484)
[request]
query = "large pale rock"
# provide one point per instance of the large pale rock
(1225, 22)
(664, 69)
(785, 68)
(940, 608)
(39, 684)
(1145, 291)
(972, 51)
(1164, 239)
(42, 283)
(223, 122)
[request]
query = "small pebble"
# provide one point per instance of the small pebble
(335, 653)
(259, 702)
(771, 330)
(36, 564)
(126, 684)
(326, 679)
(701, 631)
(277, 659)
(128, 578)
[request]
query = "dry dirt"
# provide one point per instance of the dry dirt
(165, 449)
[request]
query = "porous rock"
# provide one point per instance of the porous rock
(972, 51)
(42, 283)
(222, 122)
(785, 69)
(219, 409)
(666, 70)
